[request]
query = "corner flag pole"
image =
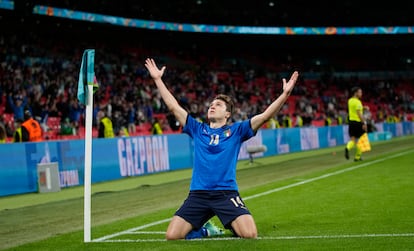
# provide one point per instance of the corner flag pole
(85, 96)
(88, 165)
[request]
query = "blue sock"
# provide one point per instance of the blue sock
(194, 234)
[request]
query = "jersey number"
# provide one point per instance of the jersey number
(238, 202)
(214, 140)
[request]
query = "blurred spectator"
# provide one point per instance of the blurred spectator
(105, 128)
(368, 118)
(286, 121)
(31, 129)
(3, 133)
(17, 135)
(328, 120)
(66, 127)
(118, 121)
(17, 104)
(7, 122)
(173, 122)
(75, 113)
(156, 127)
(123, 132)
(299, 120)
(132, 114)
(45, 83)
(272, 123)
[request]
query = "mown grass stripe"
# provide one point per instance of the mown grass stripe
(344, 236)
(129, 231)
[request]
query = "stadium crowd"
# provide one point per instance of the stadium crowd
(41, 75)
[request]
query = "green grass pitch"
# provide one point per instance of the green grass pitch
(313, 200)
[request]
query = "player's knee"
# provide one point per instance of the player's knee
(170, 235)
(249, 234)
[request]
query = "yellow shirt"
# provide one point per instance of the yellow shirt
(354, 105)
(273, 123)
(340, 120)
(299, 121)
(108, 129)
(156, 129)
(17, 134)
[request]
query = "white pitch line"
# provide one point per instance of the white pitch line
(131, 230)
(344, 236)
(104, 238)
(323, 176)
(147, 232)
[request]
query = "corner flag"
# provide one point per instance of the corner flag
(85, 96)
(87, 75)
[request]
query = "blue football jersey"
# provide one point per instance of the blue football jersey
(216, 152)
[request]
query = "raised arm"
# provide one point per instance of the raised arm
(258, 120)
(172, 104)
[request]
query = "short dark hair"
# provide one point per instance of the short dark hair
(228, 100)
(355, 89)
(27, 114)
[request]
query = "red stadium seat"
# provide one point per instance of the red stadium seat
(53, 123)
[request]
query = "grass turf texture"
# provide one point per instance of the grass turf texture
(355, 209)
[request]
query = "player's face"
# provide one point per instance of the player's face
(359, 93)
(217, 110)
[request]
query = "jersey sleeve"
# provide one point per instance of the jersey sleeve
(245, 130)
(191, 126)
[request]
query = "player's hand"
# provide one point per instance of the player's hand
(288, 86)
(364, 127)
(154, 71)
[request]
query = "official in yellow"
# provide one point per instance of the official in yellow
(105, 127)
(357, 124)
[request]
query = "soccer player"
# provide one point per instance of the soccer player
(213, 188)
(357, 123)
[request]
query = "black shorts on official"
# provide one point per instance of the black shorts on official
(355, 129)
(201, 205)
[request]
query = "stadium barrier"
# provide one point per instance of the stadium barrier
(122, 157)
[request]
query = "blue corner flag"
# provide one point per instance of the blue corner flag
(87, 75)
